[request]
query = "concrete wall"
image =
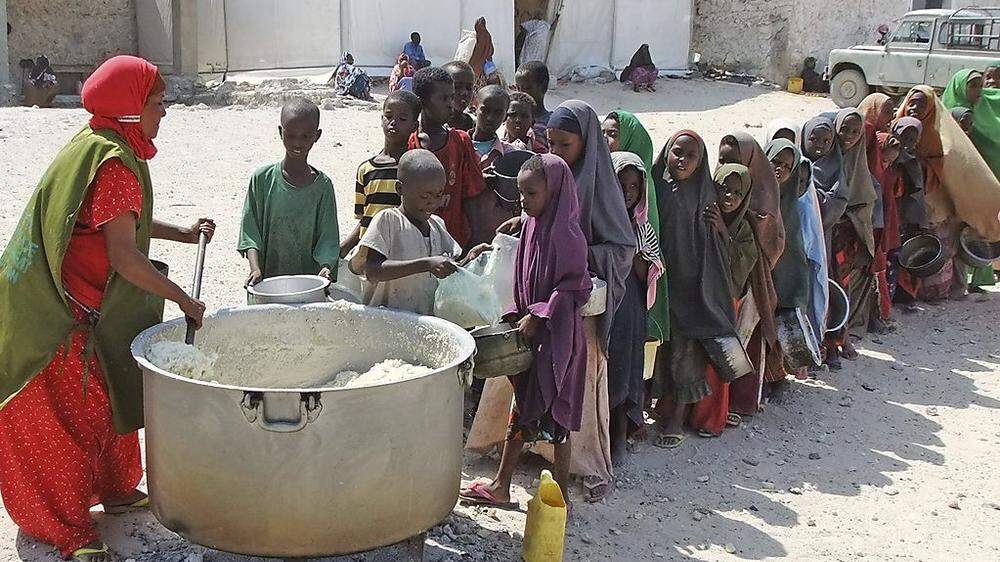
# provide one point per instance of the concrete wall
(770, 38)
(69, 32)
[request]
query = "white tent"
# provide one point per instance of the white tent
(246, 35)
(607, 32)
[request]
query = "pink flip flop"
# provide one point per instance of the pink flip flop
(477, 493)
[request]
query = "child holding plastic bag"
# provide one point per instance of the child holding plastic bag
(551, 285)
(409, 248)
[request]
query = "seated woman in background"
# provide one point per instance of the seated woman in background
(414, 51)
(41, 86)
(641, 70)
(350, 80)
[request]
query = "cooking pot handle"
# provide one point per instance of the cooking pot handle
(253, 410)
(465, 372)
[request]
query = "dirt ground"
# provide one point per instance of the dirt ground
(891, 458)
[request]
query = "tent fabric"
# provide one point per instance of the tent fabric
(583, 36)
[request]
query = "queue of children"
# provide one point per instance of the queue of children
(707, 261)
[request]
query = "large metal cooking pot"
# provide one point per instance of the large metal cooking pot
(306, 472)
(289, 289)
(922, 255)
(976, 251)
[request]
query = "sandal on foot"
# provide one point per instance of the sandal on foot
(733, 419)
(669, 440)
(87, 553)
(707, 434)
(142, 503)
(479, 494)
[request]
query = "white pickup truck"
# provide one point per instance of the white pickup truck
(926, 47)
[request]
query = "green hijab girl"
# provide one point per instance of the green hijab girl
(625, 132)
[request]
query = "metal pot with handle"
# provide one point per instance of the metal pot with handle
(262, 462)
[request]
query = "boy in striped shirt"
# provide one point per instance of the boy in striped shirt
(375, 189)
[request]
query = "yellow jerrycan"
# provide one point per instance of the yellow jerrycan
(545, 528)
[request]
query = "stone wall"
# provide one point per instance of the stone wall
(71, 33)
(770, 38)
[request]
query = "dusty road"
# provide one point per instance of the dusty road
(892, 458)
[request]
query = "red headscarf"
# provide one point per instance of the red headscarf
(116, 93)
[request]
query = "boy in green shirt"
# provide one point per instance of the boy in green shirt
(289, 224)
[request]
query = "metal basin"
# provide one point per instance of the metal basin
(598, 301)
(289, 289)
(798, 340)
(922, 255)
(288, 472)
(501, 351)
(839, 308)
(975, 251)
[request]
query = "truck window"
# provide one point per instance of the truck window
(971, 35)
(912, 32)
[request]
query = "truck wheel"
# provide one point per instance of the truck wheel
(848, 88)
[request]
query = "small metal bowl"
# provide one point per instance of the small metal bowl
(922, 255)
(975, 251)
(501, 351)
(289, 289)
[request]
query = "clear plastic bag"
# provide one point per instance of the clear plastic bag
(479, 293)
(467, 297)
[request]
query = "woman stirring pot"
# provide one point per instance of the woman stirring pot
(76, 286)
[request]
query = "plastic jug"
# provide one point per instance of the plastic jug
(545, 528)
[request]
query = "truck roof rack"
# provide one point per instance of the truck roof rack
(976, 12)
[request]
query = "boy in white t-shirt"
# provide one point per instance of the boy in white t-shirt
(409, 248)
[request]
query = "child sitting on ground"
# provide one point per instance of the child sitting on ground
(289, 224)
(408, 248)
(532, 78)
(375, 189)
(464, 78)
(551, 284)
(453, 148)
(518, 126)
(491, 109)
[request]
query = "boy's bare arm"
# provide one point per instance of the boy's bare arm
(378, 269)
(255, 273)
(351, 241)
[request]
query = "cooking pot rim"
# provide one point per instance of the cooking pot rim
(324, 283)
(467, 346)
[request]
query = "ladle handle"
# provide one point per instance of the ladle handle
(199, 268)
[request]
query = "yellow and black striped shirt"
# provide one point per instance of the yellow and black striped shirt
(375, 189)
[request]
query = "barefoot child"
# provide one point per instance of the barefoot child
(464, 77)
(453, 148)
(289, 224)
(532, 78)
(626, 351)
(518, 126)
(551, 284)
(375, 189)
(408, 248)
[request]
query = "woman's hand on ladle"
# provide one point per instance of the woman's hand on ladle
(193, 309)
(202, 225)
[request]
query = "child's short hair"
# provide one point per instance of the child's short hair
(409, 98)
(418, 164)
(521, 97)
(491, 91)
(296, 108)
(537, 72)
(458, 66)
(534, 164)
(425, 79)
